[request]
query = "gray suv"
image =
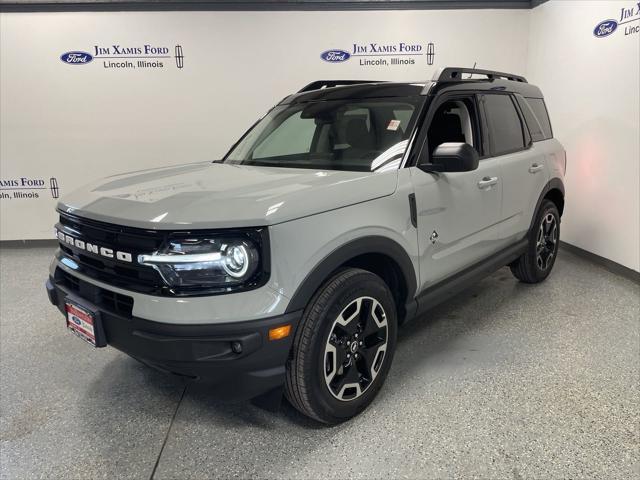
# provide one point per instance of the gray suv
(287, 267)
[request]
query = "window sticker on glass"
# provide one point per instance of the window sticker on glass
(393, 125)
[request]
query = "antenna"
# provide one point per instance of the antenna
(474, 67)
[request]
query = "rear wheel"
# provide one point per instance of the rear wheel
(544, 239)
(343, 347)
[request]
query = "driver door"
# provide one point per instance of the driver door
(458, 213)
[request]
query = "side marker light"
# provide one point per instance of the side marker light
(278, 333)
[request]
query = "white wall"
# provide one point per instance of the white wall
(591, 86)
(78, 123)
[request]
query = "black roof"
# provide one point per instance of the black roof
(357, 91)
(449, 79)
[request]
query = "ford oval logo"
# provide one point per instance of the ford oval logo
(335, 56)
(605, 28)
(76, 58)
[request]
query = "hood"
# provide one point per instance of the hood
(215, 195)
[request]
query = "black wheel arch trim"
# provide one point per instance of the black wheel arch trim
(553, 184)
(348, 251)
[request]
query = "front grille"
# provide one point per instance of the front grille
(130, 276)
(110, 301)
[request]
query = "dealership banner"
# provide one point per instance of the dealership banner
(92, 94)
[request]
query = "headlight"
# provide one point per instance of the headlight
(236, 260)
(224, 262)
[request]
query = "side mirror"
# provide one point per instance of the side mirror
(452, 157)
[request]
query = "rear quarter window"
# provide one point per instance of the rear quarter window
(505, 129)
(535, 129)
(540, 110)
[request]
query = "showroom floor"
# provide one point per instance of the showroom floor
(505, 381)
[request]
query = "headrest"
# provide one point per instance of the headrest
(358, 136)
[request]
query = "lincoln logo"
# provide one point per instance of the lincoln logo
(179, 57)
(92, 248)
(431, 53)
(53, 185)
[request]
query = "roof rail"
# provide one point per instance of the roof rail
(318, 84)
(454, 74)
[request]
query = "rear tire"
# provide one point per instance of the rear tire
(544, 238)
(343, 347)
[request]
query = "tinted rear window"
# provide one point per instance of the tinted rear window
(540, 110)
(505, 128)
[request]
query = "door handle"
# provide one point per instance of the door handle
(487, 182)
(535, 168)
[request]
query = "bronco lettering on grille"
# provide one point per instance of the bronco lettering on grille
(93, 248)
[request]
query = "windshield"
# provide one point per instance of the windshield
(360, 135)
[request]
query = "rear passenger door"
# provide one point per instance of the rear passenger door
(522, 165)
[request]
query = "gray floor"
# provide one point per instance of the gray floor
(505, 381)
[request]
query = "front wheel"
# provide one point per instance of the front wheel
(544, 239)
(343, 347)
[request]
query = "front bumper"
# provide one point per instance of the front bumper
(206, 353)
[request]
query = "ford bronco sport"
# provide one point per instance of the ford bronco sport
(287, 266)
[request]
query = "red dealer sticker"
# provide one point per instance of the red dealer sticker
(81, 322)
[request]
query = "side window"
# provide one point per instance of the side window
(454, 121)
(540, 109)
(505, 127)
(533, 124)
(293, 136)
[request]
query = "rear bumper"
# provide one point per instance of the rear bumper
(204, 353)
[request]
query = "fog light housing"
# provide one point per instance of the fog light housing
(236, 347)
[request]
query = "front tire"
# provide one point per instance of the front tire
(343, 347)
(544, 239)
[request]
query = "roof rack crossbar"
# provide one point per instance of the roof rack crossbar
(454, 74)
(318, 84)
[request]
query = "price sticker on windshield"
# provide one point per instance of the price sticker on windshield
(393, 125)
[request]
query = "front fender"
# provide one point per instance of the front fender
(363, 245)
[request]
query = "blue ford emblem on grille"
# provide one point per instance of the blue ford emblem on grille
(76, 58)
(334, 56)
(605, 28)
